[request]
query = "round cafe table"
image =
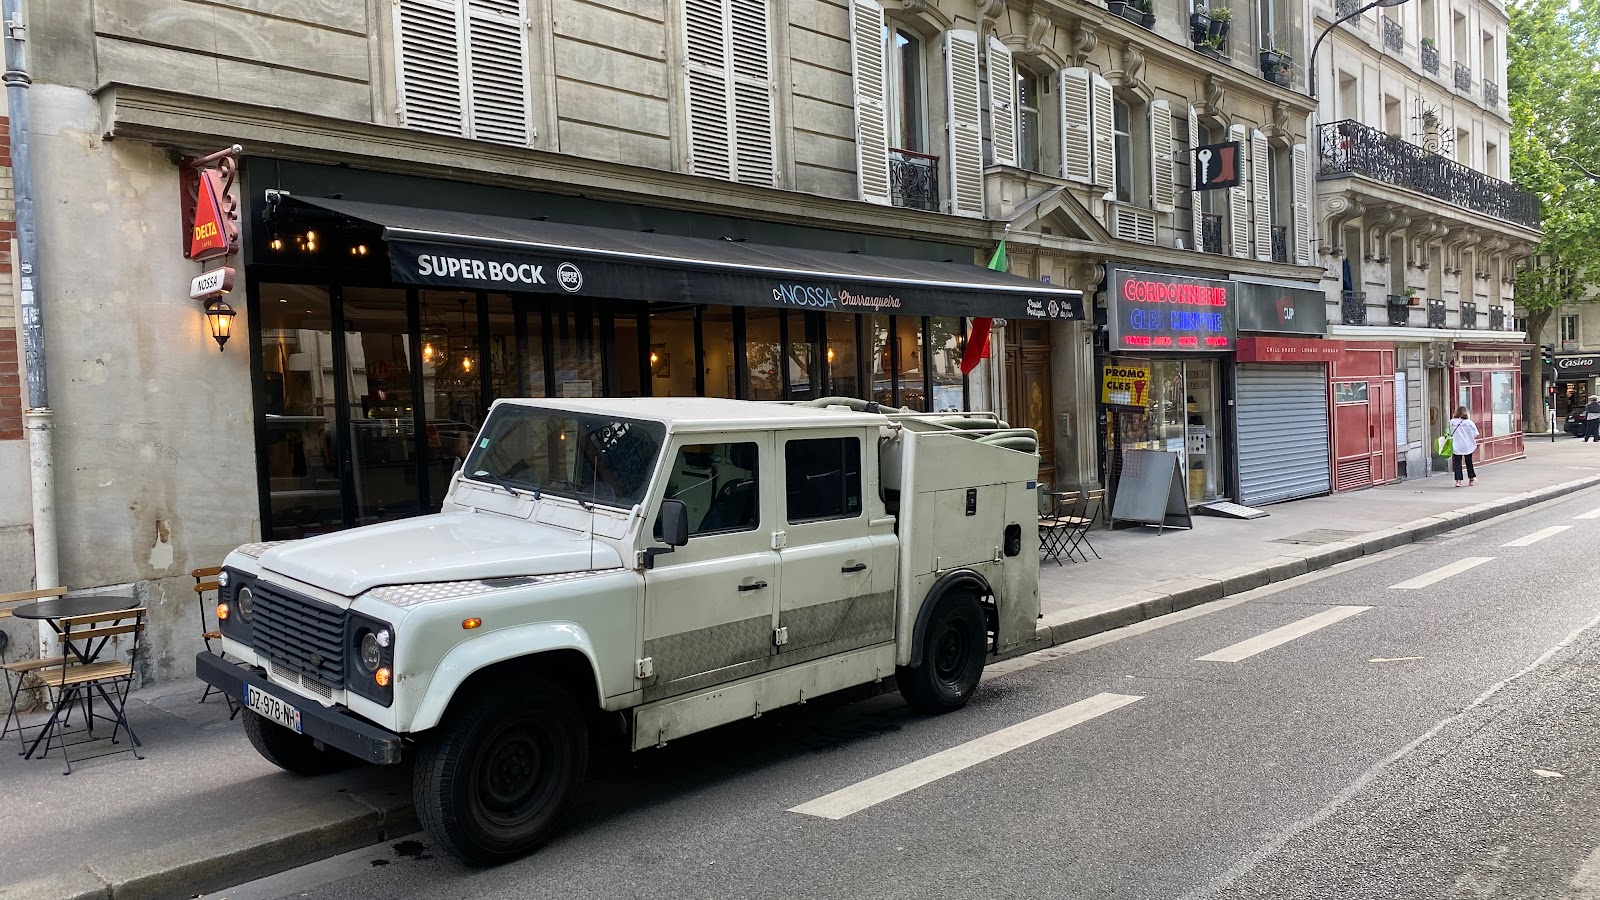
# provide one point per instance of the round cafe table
(67, 607)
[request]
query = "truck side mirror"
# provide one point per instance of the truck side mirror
(674, 523)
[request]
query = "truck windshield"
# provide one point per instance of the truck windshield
(589, 457)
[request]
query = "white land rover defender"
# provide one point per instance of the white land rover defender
(659, 565)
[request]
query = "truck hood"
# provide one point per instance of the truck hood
(455, 546)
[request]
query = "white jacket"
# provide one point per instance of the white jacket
(1463, 436)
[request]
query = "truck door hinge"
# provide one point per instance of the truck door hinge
(780, 636)
(780, 540)
(644, 668)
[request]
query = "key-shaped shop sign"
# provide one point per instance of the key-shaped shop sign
(1216, 167)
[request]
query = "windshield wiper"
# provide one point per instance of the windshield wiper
(502, 483)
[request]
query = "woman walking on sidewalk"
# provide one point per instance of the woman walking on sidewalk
(1463, 443)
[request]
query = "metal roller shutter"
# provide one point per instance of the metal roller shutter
(1283, 433)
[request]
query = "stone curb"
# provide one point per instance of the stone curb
(337, 825)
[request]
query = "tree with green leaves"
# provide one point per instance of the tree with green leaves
(1553, 90)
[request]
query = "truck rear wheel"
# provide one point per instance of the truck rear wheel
(292, 752)
(496, 780)
(953, 648)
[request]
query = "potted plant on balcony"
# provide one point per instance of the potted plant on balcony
(1212, 46)
(1199, 24)
(1135, 11)
(1412, 297)
(1276, 65)
(1221, 22)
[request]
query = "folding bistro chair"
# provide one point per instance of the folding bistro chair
(1053, 527)
(18, 671)
(84, 677)
(1083, 521)
(205, 582)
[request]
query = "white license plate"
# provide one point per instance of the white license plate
(270, 707)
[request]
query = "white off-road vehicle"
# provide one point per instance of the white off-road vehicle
(659, 566)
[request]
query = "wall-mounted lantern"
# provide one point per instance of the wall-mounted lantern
(220, 315)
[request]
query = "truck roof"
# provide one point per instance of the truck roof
(708, 413)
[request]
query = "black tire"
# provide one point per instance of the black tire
(292, 752)
(496, 780)
(953, 650)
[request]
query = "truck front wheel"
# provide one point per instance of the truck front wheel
(494, 782)
(293, 752)
(953, 648)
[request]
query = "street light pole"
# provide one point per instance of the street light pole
(1311, 65)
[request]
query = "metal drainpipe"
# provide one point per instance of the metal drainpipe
(38, 418)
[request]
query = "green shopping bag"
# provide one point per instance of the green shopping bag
(1444, 445)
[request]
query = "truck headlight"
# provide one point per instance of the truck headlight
(245, 602)
(371, 652)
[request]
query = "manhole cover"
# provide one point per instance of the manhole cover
(1316, 536)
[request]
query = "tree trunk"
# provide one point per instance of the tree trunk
(1535, 416)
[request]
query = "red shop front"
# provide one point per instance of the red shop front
(1485, 380)
(1362, 393)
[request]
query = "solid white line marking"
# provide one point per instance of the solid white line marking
(1537, 536)
(929, 769)
(1394, 659)
(1440, 574)
(1591, 514)
(1275, 637)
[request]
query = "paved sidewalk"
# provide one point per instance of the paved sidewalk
(203, 810)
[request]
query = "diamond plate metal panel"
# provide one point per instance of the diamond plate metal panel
(255, 550)
(705, 649)
(851, 622)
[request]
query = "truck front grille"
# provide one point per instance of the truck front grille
(299, 634)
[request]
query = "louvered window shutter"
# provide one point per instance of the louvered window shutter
(1197, 219)
(1261, 193)
(1239, 198)
(1077, 140)
(501, 101)
(1002, 105)
(430, 60)
(964, 107)
(755, 145)
(1104, 124)
(1161, 194)
(1302, 207)
(709, 88)
(872, 115)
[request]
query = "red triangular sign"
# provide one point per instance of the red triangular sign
(210, 236)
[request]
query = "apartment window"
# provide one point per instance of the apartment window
(907, 90)
(1349, 97)
(1122, 143)
(1428, 19)
(1028, 131)
(1569, 329)
(1392, 120)
(1520, 323)
(1463, 146)
(728, 75)
(1491, 159)
(461, 68)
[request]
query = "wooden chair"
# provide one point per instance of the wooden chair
(205, 582)
(83, 677)
(18, 671)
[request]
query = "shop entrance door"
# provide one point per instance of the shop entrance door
(1028, 398)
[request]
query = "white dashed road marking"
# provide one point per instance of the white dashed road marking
(1440, 574)
(1275, 637)
(929, 769)
(1537, 536)
(1591, 514)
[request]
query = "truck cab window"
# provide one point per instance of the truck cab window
(718, 484)
(822, 479)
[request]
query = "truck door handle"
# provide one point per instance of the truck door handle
(858, 567)
(755, 586)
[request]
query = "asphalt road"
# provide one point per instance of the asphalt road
(1436, 741)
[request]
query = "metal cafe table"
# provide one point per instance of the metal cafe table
(54, 610)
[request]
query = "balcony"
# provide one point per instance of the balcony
(1497, 318)
(1430, 58)
(1491, 94)
(1469, 315)
(1211, 233)
(1353, 307)
(1463, 77)
(1280, 243)
(914, 179)
(1351, 148)
(1436, 312)
(1399, 310)
(1394, 35)
(1342, 8)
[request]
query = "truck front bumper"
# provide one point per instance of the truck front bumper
(357, 737)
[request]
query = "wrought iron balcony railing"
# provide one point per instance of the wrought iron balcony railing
(1399, 310)
(1491, 94)
(1394, 34)
(1430, 59)
(1463, 76)
(1353, 307)
(914, 179)
(1210, 233)
(1342, 8)
(1497, 318)
(1469, 315)
(1350, 148)
(1280, 243)
(1436, 313)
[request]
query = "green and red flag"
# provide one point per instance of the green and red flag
(978, 338)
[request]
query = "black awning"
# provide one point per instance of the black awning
(438, 248)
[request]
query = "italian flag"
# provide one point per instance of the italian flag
(978, 338)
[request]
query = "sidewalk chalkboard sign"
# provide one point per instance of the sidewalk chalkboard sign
(1150, 490)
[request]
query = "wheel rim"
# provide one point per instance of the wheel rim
(952, 653)
(513, 781)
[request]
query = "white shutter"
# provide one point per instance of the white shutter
(1161, 196)
(1197, 219)
(755, 145)
(1238, 198)
(501, 107)
(1103, 118)
(1302, 206)
(709, 88)
(1077, 157)
(872, 116)
(1002, 104)
(430, 56)
(964, 107)
(1261, 193)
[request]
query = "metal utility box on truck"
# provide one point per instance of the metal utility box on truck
(654, 566)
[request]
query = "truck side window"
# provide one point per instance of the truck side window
(822, 479)
(718, 484)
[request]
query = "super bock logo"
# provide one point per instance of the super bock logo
(570, 277)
